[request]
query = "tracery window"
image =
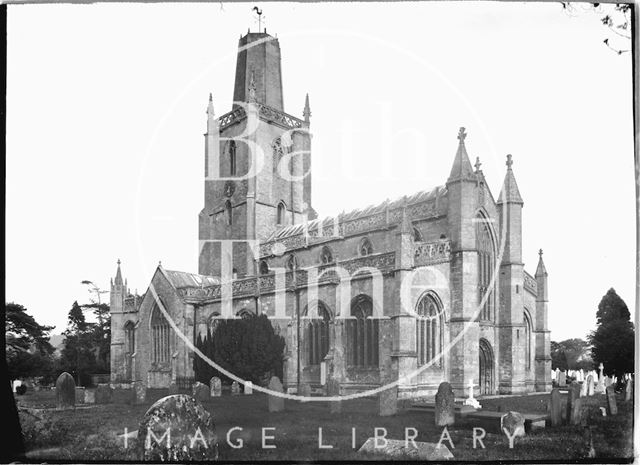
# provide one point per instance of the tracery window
(160, 337)
(130, 337)
(264, 267)
(280, 214)
(365, 247)
(417, 237)
(318, 335)
(362, 333)
(486, 267)
(326, 256)
(292, 262)
(527, 340)
(429, 324)
(232, 157)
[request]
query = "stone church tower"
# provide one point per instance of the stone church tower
(256, 137)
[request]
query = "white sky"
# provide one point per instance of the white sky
(106, 111)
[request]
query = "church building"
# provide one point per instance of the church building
(426, 288)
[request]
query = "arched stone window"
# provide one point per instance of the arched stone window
(365, 248)
(160, 337)
(232, 157)
(317, 335)
(362, 333)
(326, 256)
(486, 267)
(228, 213)
(527, 340)
(244, 313)
(281, 212)
(264, 267)
(429, 326)
(213, 322)
(292, 262)
(130, 337)
(417, 237)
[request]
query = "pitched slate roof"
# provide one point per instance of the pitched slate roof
(181, 279)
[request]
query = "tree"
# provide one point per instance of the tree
(247, 347)
(78, 354)
(101, 335)
(558, 357)
(613, 340)
(28, 351)
(571, 354)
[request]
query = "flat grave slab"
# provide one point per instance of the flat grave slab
(490, 420)
(459, 409)
(397, 448)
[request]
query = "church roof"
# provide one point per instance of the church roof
(418, 197)
(182, 279)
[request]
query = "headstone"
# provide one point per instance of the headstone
(583, 389)
(612, 407)
(304, 390)
(581, 374)
(65, 391)
(401, 449)
(575, 416)
(276, 403)
(200, 391)
(333, 390)
(139, 392)
(90, 396)
(471, 401)
(608, 381)
(248, 388)
(628, 390)
(177, 428)
(388, 401)
(556, 407)
(235, 388)
(574, 394)
(590, 388)
(80, 395)
(513, 423)
(445, 400)
(216, 387)
(104, 394)
(562, 380)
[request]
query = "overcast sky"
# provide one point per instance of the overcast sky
(106, 110)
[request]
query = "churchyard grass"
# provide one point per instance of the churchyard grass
(90, 432)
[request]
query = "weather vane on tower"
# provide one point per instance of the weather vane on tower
(259, 13)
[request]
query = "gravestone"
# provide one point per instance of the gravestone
(276, 403)
(139, 393)
(556, 407)
(200, 391)
(216, 387)
(79, 395)
(104, 394)
(248, 388)
(235, 388)
(574, 393)
(628, 390)
(513, 423)
(607, 381)
(333, 390)
(401, 449)
(65, 391)
(583, 389)
(90, 396)
(304, 390)
(177, 428)
(575, 418)
(612, 407)
(590, 387)
(445, 403)
(388, 401)
(562, 379)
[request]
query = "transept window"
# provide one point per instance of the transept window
(362, 333)
(486, 267)
(527, 340)
(160, 337)
(429, 326)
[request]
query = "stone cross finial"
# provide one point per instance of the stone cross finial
(540, 253)
(601, 367)
(462, 134)
(478, 164)
(118, 262)
(509, 161)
